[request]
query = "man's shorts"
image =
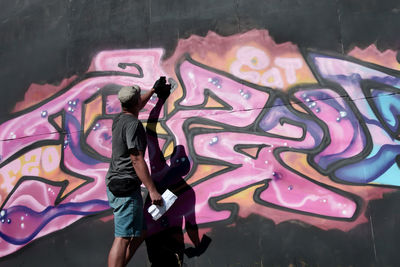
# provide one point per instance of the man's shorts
(128, 214)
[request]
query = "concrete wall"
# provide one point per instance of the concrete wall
(280, 135)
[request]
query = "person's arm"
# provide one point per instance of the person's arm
(143, 173)
(160, 87)
(146, 97)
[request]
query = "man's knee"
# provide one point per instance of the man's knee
(122, 240)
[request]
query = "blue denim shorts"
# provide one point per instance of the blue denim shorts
(128, 214)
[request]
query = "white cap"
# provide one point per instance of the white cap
(128, 93)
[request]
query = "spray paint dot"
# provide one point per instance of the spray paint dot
(308, 100)
(96, 126)
(216, 81)
(285, 144)
(22, 218)
(49, 189)
(74, 103)
(343, 114)
(290, 187)
(317, 110)
(344, 212)
(22, 225)
(277, 175)
(2, 213)
(304, 95)
(246, 95)
(3, 220)
(8, 220)
(214, 140)
(266, 162)
(338, 119)
(324, 200)
(312, 105)
(355, 76)
(70, 102)
(43, 114)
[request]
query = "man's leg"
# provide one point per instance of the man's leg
(116, 257)
(133, 245)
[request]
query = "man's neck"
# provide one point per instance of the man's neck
(133, 113)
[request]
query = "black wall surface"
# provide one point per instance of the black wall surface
(45, 41)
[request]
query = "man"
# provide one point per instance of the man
(127, 171)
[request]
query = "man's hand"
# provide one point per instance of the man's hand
(165, 92)
(161, 88)
(159, 84)
(156, 198)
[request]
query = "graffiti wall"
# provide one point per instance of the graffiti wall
(266, 130)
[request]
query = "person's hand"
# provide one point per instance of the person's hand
(161, 88)
(156, 198)
(164, 92)
(159, 84)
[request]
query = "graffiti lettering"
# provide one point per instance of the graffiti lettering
(268, 130)
(252, 64)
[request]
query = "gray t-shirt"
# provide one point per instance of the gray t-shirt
(127, 133)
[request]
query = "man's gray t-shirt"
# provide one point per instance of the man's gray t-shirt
(127, 134)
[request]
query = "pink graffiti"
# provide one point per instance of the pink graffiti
(359, 81)
(235, 112)
(220, 146)
(348, 139)
(285, 189)
(36, 206)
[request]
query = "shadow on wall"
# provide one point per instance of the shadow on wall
(165, 242)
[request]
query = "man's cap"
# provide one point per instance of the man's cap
(127, 93)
